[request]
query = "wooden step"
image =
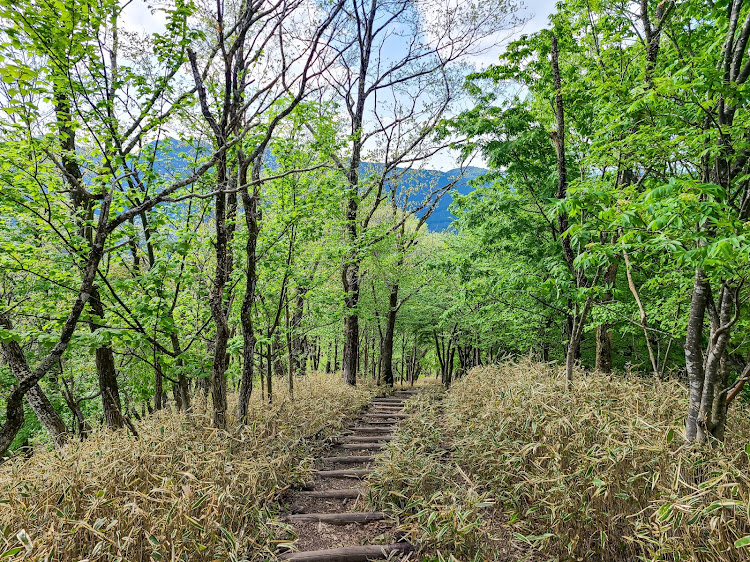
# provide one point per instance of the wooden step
(387, 402)
(362, 446)
(338, 518)
(388, 408)
(382, 423)
(348, 460)
(342, 493)
(350, 553)
(381, 416)
(366, 439)
(344, 473)
(371, 429)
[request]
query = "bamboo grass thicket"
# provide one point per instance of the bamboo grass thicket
(601, 472)
(182, 491)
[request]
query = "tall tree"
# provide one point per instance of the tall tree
(393, 104)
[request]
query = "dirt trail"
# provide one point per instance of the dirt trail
(324, 514)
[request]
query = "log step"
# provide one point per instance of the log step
(372, 429)
(348, 460)
(398, 416)
(350, 553)
(365, 439)
(338, 518)
(342, 493)
(344, 473)
(386, 408)
(382, 423)
(362, 446)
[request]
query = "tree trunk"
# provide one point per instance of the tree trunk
(351, 345)
(604, 331)
(328, 358)
(217, 301)
(182, 388)
(158, 384)
(13, 355)
(269, 373)
(336, 354)
(252, 218)
(712, 411)
(47, 415)
(386, 352)
(105, 369)
(694, 351)
(298, 356)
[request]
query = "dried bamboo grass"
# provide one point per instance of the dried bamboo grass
(601, 472)
(183, 491)
(517, 467)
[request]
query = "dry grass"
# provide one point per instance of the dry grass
(601, 472)
(183, 491)
(417, 480)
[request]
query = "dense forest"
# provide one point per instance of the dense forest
(224, 231)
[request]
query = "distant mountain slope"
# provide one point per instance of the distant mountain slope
(415, 185)
(441, 217)
(177, 159)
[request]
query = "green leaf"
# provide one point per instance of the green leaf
(744, 541)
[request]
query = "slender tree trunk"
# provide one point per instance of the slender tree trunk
(252, 218)
(604, 331)
(290, 352)
(694, 351)
(644, 327)
(217, 301)
(269, 373)
(336, 354)
(386, 351)
(105, 368)
(182, 388)
(158, 384)
(298, 356)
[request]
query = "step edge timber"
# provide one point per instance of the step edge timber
(372, 429)
(386, 408)
(345, 518)
(349, 553)
(348, 459)
(367, 439)
(341, 493)
(346, 473)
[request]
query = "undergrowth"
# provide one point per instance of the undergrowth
(597, 473)
(436, 505)
(182, 491)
